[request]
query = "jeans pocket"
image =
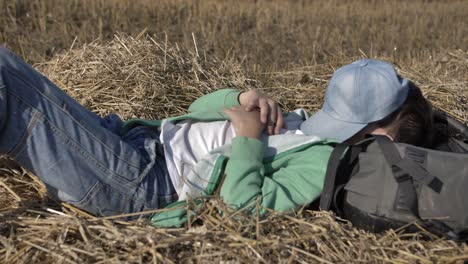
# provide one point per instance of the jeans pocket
(103, 200)
(93, 190)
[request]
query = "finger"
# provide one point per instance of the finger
(272, 117)
(250, 107)
(264, 110)
(270, 129)
(231, 110)
(279, 121)
(227, 111)
(273, 111)
(232, 114)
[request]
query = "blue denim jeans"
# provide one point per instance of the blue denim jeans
(80, 156)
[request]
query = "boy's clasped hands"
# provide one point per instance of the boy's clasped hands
(256, 113)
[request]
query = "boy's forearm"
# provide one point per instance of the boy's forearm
(216, 101)
(244, 172)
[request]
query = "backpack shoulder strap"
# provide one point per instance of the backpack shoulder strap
(403, 168)
(330, 176)
(406, 173)
(338, 170)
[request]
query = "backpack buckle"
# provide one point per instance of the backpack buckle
(399, 174)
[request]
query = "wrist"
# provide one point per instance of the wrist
(249, 133)
(247, 149)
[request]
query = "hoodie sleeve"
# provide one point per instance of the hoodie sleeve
(292, 181)
(216, 101)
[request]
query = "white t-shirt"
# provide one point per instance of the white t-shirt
(186, 142)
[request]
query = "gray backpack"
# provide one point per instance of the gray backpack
(378, 184)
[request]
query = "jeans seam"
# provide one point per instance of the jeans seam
(27, 133)
(66, 113)
(89, 194)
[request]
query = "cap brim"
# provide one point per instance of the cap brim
(324, 126)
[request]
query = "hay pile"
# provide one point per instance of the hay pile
(145, 78)
(140, 78)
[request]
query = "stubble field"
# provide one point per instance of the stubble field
(152, 58)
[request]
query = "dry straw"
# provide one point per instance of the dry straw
(145, 78)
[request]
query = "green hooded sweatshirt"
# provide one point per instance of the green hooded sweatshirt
(284, 172)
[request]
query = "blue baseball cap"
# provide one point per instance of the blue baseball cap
(359, 93)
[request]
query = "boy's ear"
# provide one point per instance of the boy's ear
(381, 131)
(367, 131)
(360, 135)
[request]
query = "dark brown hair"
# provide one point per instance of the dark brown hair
(412, 123)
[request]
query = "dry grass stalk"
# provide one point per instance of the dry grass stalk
(142, 77)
